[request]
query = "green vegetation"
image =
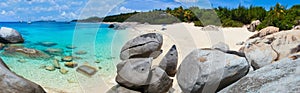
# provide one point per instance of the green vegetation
(278, 16)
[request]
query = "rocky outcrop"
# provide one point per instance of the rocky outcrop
(169, 62)
(264, 51)
(9, 35)
(142, 46)
(280, 77)
(209, 70)
(210, 28)
(12, 83)
(136, 74)
(253, 25)
(25, 52)
(266, 31)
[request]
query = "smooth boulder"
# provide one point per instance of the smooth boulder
(9, 35)
(133, 73)
(13, 83)
(170, 61)
(281, 77)
(260, 54)
(142, 46)
(210, 70)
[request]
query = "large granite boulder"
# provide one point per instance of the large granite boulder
(266, 50)
(209, 70)
(9, 35)
(24, 52)
(260, 55)
(136, 74)
(159, 81)
(142, 46)
(133, 73)
(253, 25)
(266, 31)
(281, 77)
(169, 62)
(13, 83)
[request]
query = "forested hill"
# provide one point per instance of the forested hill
(278, 16)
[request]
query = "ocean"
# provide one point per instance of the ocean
(101, 44)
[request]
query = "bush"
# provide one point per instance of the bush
(198, 23)
(231, 23)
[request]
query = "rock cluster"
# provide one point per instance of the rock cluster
(135, 73)
(273, 54)
(265, 50)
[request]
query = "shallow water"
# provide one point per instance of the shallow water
(100, 43)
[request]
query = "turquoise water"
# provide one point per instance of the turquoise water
(100, 43)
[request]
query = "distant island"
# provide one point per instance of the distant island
(278, 16)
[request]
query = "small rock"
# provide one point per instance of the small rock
(22, 60)
(54, 51)
(71, 47)
(221, 46)
(56, 64)
(98, 61)
(240, 43)
(67, 58)
(47, 44)
(71, 64)
(86, 70)
(63, 71)
(81, 52)
(50, 68)
(210, 28)
(253, 25)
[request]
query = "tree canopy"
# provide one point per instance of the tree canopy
(277, 15)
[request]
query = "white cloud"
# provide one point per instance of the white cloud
(7, 13)
(125, 10)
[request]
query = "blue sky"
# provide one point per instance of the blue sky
(64, 10)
